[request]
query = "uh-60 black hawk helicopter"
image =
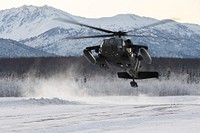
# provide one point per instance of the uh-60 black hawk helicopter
(119, 51)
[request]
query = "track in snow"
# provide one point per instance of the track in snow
(101, 114)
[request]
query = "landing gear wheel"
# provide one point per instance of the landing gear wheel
(133, 84)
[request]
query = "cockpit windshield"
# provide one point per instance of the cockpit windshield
(114, 41)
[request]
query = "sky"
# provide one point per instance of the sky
(187, 11)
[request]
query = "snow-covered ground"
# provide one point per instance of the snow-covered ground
(110, 114)
(102, 104)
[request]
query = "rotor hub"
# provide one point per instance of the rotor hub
(120, 34)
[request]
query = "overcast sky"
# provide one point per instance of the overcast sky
(179, 10)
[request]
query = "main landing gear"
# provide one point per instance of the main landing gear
(133, 83)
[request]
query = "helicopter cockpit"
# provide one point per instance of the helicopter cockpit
(113, 41)
(112, 45)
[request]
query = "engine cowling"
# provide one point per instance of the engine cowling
(88, 55)
(145, 55)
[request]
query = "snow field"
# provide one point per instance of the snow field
(140, 114)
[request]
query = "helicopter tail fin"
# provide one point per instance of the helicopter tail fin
(139, 75)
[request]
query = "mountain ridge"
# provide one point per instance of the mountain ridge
(39, 29)
(13, 49)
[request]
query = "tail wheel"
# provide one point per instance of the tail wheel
(133, 84)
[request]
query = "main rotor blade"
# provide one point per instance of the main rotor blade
(84, 25)
(160, 37)
(82, 37)
(154, 24)
(143, 36)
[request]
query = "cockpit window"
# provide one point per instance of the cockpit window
(113, 41)
(117, 41)
(106, 41)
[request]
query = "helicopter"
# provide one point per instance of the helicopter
(119, 51)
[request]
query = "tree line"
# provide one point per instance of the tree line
(49, 66)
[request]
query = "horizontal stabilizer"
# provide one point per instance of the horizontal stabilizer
(139, 75)
(124, 75)
(146, 75)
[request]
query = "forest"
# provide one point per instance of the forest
(48, 66)
(19, 76)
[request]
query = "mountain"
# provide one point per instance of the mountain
(36, 27)
(12, 49)
(28, 21)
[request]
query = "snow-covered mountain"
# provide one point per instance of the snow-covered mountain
(11, 49)
(28, 21)
(36, 27)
